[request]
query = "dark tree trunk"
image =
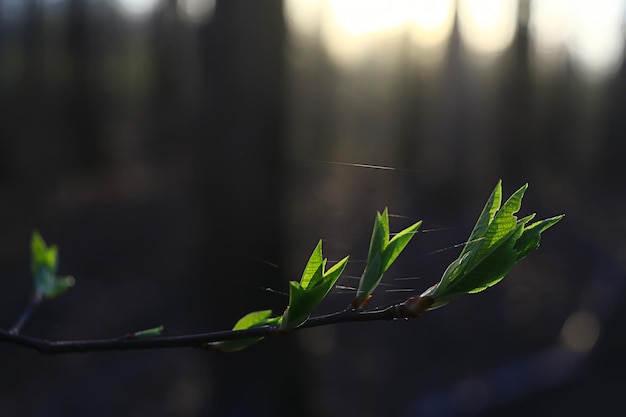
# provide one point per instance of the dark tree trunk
(240, 186)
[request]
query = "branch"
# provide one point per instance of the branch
(498, 241)
(200, 340)
(34, 302)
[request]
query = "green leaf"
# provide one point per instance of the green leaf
(531, 236)
(485, 218)
(250, 320)
(44, 263)
(498, 241)
(380, 235)
(315, 284)
(301, 304)
(382, 253)
(369, 281)
(502, 225)
(397, 245)
(490, 269)
(314, 268)
(142, 334)
(451, 271)
(253, 319)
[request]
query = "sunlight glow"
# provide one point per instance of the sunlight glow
(137, 9)
(487, 26)
(353, 30)
(431, 22)
(596, 43)
(195, 11)
(549, 25)
(303, 16)
(590, 32)
(360, 17)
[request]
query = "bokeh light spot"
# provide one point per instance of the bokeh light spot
(580, 331)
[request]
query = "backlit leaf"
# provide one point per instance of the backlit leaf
(250, 320)
(305, 296)
(498, 241)
(382, 253)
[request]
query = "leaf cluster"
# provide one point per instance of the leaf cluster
(498, 241)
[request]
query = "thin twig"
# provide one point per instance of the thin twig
(34, 302)
(196, 340)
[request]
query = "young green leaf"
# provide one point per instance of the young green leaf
(380, 235)
(497, 232)
(301, 303)
(531, 236)
(485, 218)
(314, 268)
(498, 241)
(250, 320)
(254, 319)
(44, 263)
(315, 283)
(382, 253)
(397, 245)
(142, 334)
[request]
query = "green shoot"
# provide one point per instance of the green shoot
(382, 253)
(315, 283)
(498, 241)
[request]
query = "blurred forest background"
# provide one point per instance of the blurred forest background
(187, 154)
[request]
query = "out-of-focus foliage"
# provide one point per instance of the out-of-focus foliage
(44, 264)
